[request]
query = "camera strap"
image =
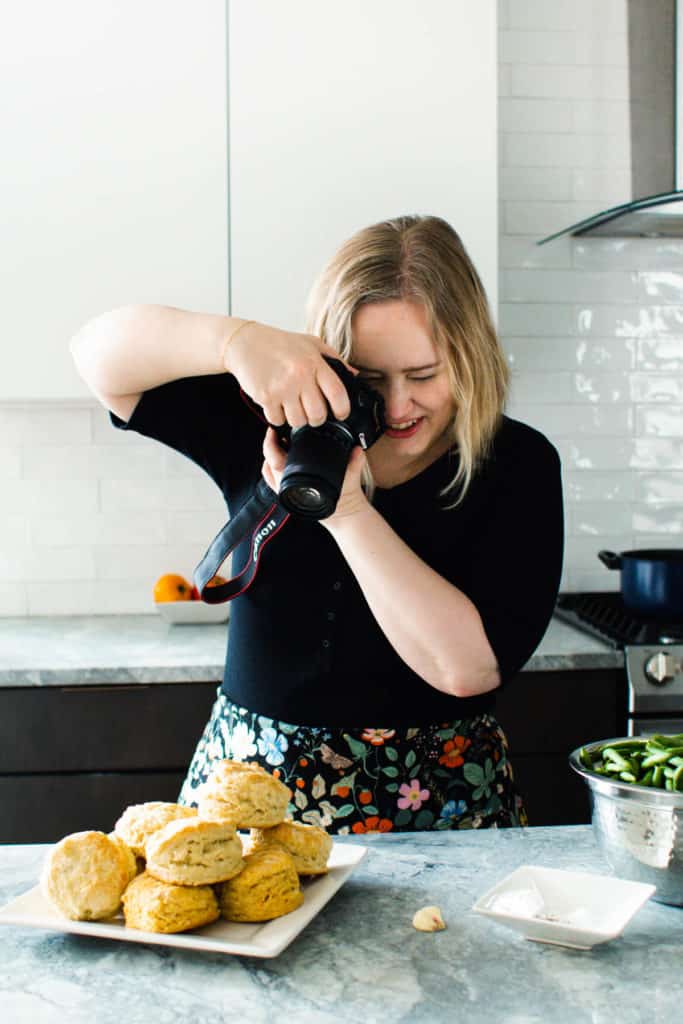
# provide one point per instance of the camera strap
(262, 517)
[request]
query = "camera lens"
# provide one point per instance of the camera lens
(315, 468)
(306, 498)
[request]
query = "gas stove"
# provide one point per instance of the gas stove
(653, 657)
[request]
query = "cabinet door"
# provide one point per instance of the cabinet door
(114, 172)
(343, 114)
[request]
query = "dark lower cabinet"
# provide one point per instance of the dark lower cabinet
(73, 758)
(43, 808)
(546, 715)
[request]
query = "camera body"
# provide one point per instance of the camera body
(317, 457)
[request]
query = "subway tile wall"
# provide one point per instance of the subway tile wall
(92, 516)
(593, 330)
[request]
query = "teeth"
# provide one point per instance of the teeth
(402, 426)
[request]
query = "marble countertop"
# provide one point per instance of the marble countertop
(360, 960)
(107, 649)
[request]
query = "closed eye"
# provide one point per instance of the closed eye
(378, 380)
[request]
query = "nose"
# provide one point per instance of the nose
(397, 401)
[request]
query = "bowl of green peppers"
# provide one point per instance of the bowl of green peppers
(636, 792)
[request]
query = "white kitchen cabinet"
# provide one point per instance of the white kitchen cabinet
(342, 114)
(115, 169)
(113, 126)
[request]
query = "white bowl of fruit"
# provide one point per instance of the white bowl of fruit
(178, 601)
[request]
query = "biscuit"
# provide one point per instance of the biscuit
(151, 905)
(84, 876)
(194, 852)
(129, 859)
(308, 845)
(266, 887)
(139, 821)
(243, 795)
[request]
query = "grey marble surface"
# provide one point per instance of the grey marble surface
(89, 650)
(360, 960)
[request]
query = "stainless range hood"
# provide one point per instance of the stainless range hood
(655, 45)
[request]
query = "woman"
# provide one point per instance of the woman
(365, 656)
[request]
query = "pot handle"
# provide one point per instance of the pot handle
(610, 558)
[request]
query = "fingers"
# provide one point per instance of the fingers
(334, 391)
(267, 474)
(356, 463)
(311, 400)
(314, 406)
(327, 350)
(293, 383)
(294, 412)
(274, 460)
(274, 413)
(272, 452)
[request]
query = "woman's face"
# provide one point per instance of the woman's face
(394, 352)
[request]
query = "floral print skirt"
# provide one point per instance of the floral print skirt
(448, 776)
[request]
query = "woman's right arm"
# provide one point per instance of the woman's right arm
(129, 350)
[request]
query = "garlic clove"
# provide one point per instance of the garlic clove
(429, 919)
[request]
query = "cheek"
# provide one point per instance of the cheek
(440, 402)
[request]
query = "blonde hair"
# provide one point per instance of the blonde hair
(423, 259)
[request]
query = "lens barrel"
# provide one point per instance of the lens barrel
(314, 473)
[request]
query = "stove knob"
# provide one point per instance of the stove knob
(661, 668)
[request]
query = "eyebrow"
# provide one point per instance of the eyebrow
(406, 369)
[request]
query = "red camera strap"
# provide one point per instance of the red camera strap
(261, 516)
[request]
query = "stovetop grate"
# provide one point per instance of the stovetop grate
(604, 615)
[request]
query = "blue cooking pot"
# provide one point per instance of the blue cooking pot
(651, 581)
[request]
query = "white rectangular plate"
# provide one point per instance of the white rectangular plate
(32, 910)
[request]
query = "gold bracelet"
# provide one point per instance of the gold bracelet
(245, 323)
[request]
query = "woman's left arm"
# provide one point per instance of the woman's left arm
(433, 626)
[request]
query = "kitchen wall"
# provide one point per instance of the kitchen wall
(592, 327)
(90, 517)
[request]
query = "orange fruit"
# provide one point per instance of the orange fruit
(216, 581)
(212, 583)
(171, 587)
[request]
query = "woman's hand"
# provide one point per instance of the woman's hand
(286, 375)
(351, 499)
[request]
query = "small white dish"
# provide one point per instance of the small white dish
(565, 908)
(192, 613)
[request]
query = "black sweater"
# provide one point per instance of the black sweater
(304, 646)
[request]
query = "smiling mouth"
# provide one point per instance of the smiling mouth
(405, 429)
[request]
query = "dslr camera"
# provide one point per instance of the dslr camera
(317, 457)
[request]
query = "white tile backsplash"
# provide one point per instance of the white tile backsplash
(592, 329)
(532, 183)
(527, 115)
(535, 46)
(607, 118)
(581, 82)
(92, 516)
(600, 17)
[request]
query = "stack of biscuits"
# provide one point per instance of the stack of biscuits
(173, 868)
